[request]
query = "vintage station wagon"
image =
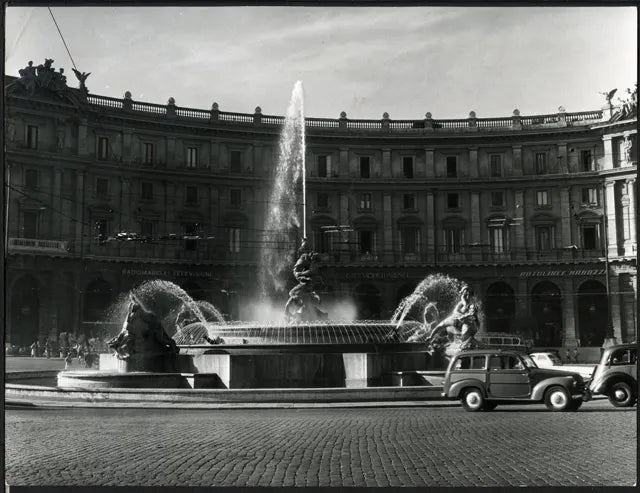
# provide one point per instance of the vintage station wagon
(484, 378)
(616, 376)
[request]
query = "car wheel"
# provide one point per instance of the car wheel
(621, 395)
(472, 400)
(489, 406)
(557, 399)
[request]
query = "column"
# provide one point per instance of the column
(56, 230)
(344, 162)
(612, 239)
(214, 150)
(517, 160)
(171, 153)
(80, 178)
(474, 172)
(257, 160)
(430, 168)
(431, 228)
(344, 218)
(82, 137)
(476, 251)
(563, 166)
(387, 168)
(127, 146)
(565, 218)
(630, 243)
(518, 228)
(607, 159)
(248, 162)
(615, 306)
(387, 228)
(570, 335)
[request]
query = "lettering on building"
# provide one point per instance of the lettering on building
(164, 273)
(551, 273)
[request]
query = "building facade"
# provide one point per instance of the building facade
(536, 213)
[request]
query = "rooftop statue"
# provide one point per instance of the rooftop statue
(43, 76)
(81, 76)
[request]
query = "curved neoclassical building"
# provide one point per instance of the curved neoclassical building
(536, 212)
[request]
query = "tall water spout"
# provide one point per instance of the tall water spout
(278, 243)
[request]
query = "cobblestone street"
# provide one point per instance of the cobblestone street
(420, 446)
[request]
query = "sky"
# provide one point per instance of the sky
(362, 60)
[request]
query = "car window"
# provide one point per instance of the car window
(514, 363)
(479, 363)
(463, 363)
(621, 357)
(495, 363)
(528, 362)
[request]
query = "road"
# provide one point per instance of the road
(412, 446)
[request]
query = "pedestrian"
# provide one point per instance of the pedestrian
(567, 356)
(575, 354)
(47, 348)
(68, 361)
(34, 349)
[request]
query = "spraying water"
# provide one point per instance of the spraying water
(282, 215)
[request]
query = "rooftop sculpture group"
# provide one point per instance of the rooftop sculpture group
(46, 77)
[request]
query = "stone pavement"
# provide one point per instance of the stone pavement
(417, 446)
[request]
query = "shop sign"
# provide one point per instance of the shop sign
(552, 273)
(164, 273)
(376, 275)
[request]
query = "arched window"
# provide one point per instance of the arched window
(500, 307)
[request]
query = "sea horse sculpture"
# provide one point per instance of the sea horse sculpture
(142, 333)
(303, 300)
(461, 324)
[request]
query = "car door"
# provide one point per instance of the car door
(507, 377)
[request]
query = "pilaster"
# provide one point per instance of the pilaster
(430, 169)
(519, 227)
(612, 239)
(565, 217)
(476, 252)
(630, 244)
(387, 225)
(569, 338)
(431, 228)
(607, 158)
(474, 172)
(517, 160)
(615, 306)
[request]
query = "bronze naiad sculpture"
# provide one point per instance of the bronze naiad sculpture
(461, 325)
(303, 303)
(142, 334)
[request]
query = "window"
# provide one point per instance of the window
(496, 165)
(590, 237)
(234, 239)
(101, 231)
(146, 229)
(410, 240)
(366, 242)
(479, 363)
(32, 137)
(541, 163)
(322, 200)
(191, 233)
(30, 224)
(407, 166)
(453, 240)
(322, 163)
(192, 157)
(102, 187)
(365, 167)
(148, 153)
(542, 197)
(235, 164)
(31, 178)
(586, 160)
(497, 239)
(321, 241)
(365, 201)
(624, 357)
(103, 148)
(590, 196)
(544, 238)
(505, 363)
(235, 197)
(497, 199)
(452, 166)
(146, 190)
(409, 201)
(470, 363)
(191, 194)
(453, 201)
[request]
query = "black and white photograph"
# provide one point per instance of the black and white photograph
(320, 245)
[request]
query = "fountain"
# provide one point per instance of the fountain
(170, 341)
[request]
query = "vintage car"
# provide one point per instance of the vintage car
(484, 378)
(616, 376)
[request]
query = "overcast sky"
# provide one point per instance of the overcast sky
(362, 60)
